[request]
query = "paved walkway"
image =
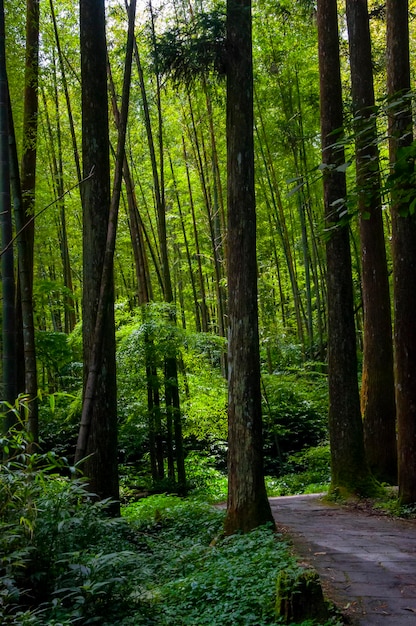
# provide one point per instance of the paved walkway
(366, 562)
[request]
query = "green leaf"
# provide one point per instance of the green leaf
(343, 167)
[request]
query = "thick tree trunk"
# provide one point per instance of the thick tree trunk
(98, 431)
(350, 471)
(377, 391)
(248, 505)
(403, 243)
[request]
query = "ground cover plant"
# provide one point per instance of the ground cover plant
(64, 560)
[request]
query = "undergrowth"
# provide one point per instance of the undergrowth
(196, 576)
(64, 560)
(307, 471)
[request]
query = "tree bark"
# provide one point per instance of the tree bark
(377, 390)
(350, 471)
(98, 429)
(248, 505)
(9, 390)
(26, 211)
(403, 242)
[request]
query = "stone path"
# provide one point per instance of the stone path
(366, 562)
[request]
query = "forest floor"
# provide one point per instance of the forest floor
(366, 560)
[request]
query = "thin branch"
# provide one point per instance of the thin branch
(34, 217)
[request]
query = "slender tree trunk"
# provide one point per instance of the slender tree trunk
(280, 220)
(66, 92)
(403, 242)
(30, 119)
(58, 178)
(28, 185)
(171, 367)
(377, 390)
(248, 505)
(187, 250)
(25, 275)
(350, 471)
(7, 253)
(200, 154)
(203, 304)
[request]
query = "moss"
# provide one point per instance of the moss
(299, 596)
(347, 487)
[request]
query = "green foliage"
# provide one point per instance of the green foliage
(193, 578)
(59, 422)
(307, 472)
(64, 561)
(61, 555)
(205, 406)
(401, 181)
(147, 339)
(52, 349)
(193, 48)
(204, 480)
(295, 415)
(389, 502)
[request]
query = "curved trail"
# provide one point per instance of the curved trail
(366, 562)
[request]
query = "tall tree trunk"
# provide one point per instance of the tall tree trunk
(171, 367)
(403, 242)
(281, 225)
(377, 390)
(7, 253)
(98, 429)
(25, 275)
(58, 179)
(200, 158)
(66, 92)
(187, 250)
(203, 304)
(30, 115)
(144, 291)
(28, 185)
(248, 505)
(350, 471)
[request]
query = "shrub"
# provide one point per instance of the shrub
(295, 416)
(61, 555)
(308, 472)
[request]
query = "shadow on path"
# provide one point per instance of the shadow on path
(366, 562)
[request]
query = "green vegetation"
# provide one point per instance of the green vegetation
(65, 561)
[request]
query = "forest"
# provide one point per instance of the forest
(208, 265)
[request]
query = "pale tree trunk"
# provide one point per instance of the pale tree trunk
(58, 180)
(403, 243)
(350, 473)
(279, 218)
(248, 506)
(201, 160)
